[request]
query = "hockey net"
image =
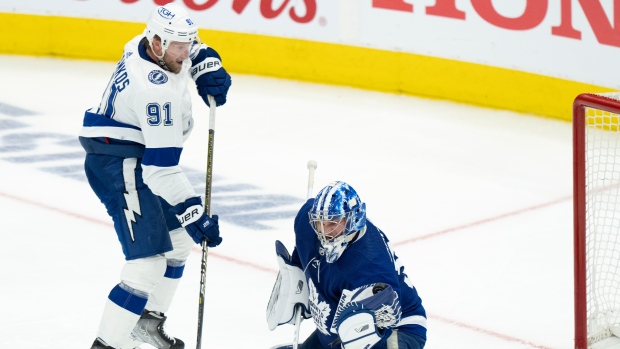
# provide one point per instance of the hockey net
(596, 159)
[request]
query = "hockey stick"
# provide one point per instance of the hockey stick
(311, 167)
(209, 180)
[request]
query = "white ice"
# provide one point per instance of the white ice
(478, 203)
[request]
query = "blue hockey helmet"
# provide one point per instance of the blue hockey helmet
(336, 215)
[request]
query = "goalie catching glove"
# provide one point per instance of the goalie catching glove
(364, 314)
(198, 225)
(207, 71)
(289, 291)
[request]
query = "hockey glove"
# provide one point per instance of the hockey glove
(357, 330)
(199, 226)
(364, 314)
(210, 77)
(289, 292)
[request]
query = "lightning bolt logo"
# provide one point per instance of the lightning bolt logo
(131, 194)
(133, 206)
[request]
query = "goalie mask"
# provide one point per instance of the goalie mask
(336, 216)
(171, 23)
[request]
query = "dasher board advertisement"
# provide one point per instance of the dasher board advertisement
(577, 40)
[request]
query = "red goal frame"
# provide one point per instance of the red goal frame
(581, 102)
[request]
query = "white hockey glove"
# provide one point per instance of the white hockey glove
(289, 290)
(364, 313)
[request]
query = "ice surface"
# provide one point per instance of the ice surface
(476, 201)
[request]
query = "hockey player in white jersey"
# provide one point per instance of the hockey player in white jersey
(133, 140)
(346, 277)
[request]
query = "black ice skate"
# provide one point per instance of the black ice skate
(150, 330)
(99, 344)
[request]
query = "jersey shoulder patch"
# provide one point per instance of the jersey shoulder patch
(158, 77)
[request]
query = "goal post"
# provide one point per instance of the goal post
(596, 203)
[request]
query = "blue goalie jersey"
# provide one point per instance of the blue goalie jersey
(366, 261)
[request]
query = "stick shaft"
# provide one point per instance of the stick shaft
(298, 310)
(209, 178)
(310, 182)
(205, 249)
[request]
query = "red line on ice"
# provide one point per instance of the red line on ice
(481, 222)
(487, 332)
(56, 209)
(273, 271)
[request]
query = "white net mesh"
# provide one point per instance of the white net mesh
(602, 221)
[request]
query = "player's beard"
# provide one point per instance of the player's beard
(173, 65)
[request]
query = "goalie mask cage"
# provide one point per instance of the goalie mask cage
(596, 181)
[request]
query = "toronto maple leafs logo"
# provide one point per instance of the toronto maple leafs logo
(319, 309)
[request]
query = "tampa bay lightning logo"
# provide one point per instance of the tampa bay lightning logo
(158, 77)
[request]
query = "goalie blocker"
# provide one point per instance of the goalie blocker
(289, 290)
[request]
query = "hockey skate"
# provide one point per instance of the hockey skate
(99, 344)
(150, 330)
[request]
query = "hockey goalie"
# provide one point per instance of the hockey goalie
(343, 274)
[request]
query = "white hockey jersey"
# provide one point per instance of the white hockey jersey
(145, 105)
